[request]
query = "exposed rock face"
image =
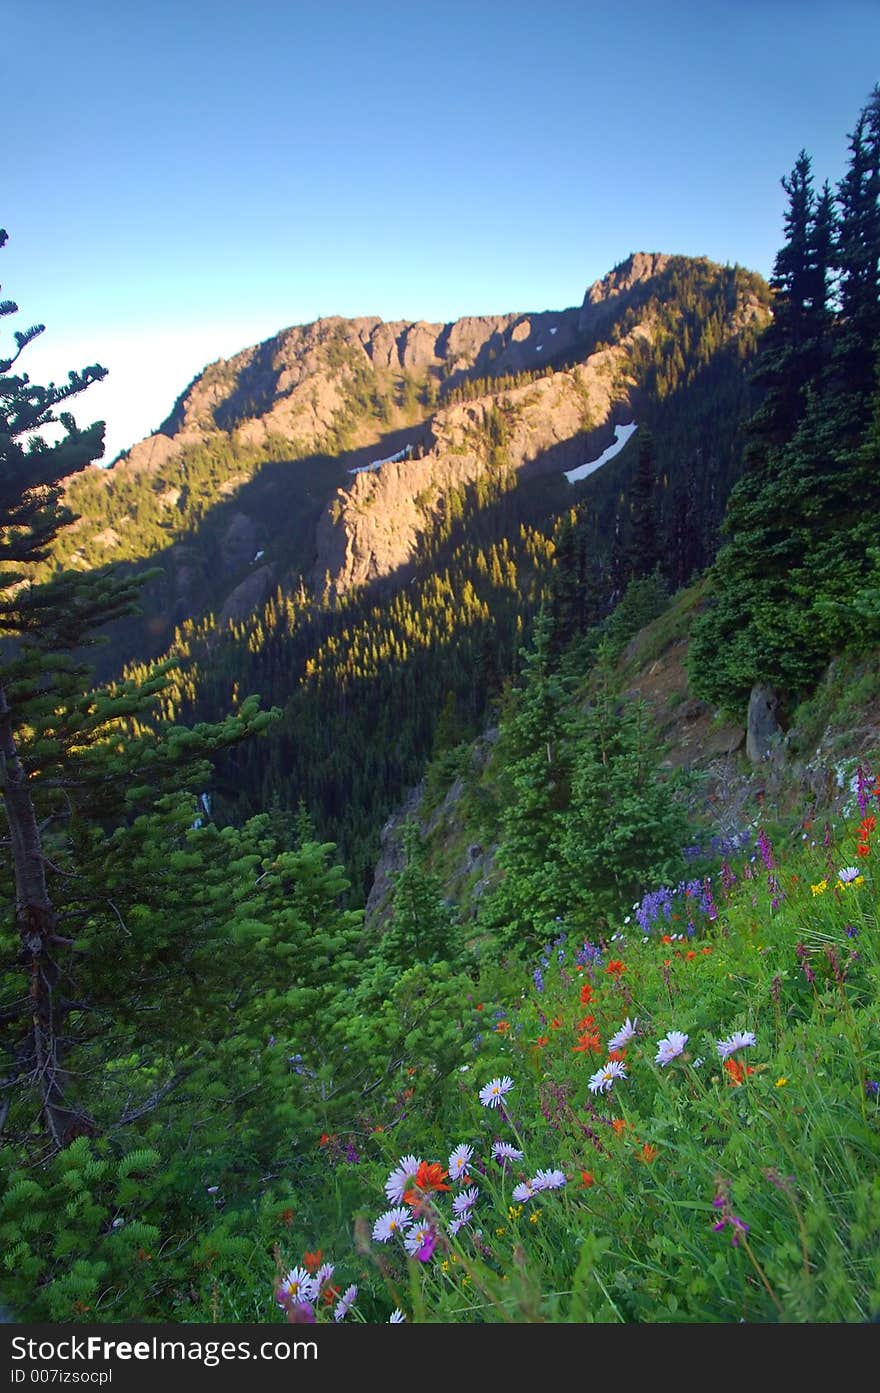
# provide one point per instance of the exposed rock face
(603, 299)
(763, 732)
(246, 597)
(373, 525)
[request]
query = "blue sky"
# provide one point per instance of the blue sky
(187, 178)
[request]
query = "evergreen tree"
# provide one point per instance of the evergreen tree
(858, 262)
(796, 522)
(537, 774)
(71, 767)
(645, 545)
(422, 924)
(789, 359)
(622, 830)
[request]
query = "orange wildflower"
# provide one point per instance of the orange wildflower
(542, 1039)
(586, 994)
(648, 1153)
(502, 1026)
(324, 1139)
(556, 1023)
(429, 1176)
(312, 1261)
(286, 1217)
(587, 1179)
(619, 1125)
(666, 938)
(619, 1055)
(736, 1072)
(616, 967)
(588, 1041)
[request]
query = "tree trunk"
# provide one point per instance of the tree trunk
(37, 923)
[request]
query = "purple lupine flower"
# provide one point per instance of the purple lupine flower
(728, 879)
(803, 958)
(863, 778)
(766, 850)
(352, 1154)
(872, 1089)
(707, 904)
(722, 1201)
(538, 979)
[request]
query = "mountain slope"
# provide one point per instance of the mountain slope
(356, 519)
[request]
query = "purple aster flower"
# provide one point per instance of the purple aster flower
(298, 1287)
(345, 1302)
(421, 1242)
(739, 1040)
(670, 1047)
(402, 1178)
(626, 1033)
(397, 1317)
(524, 1192)
(459, 1160)
(549, 1180)
(492, 1093)
(604, 1078)
(503, 1152)
(390, 1223)
(464, 1203)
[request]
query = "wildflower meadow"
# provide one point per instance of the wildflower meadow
(678, 1121)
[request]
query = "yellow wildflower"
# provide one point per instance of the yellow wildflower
(781, 1081)
(820, 888)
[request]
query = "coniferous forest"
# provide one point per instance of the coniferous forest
(434, 890)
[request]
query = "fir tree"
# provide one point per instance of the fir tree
(644, 546)
(858, 262)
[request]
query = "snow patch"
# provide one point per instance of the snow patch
(621, 435)
(405, 453)
(552, 331)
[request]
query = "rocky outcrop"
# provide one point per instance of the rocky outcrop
(373, 526)
(763, 732)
